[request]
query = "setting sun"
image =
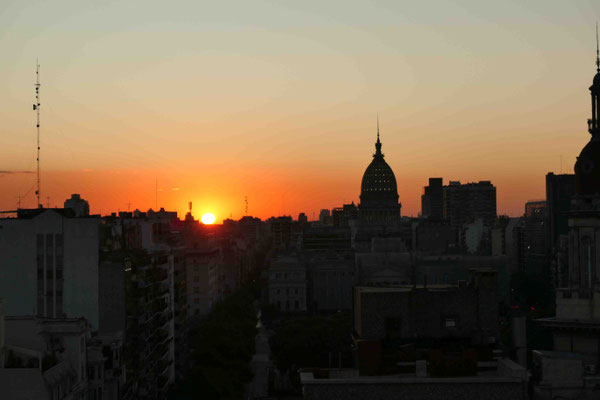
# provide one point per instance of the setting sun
(208, 219)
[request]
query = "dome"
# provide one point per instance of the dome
(378, 182)
(378, 192)
(587, 166)
(596, 81)
(587, 169)
(378, 187)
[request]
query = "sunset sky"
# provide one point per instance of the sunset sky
(212, 101)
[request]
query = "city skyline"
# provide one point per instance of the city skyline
(291, 130)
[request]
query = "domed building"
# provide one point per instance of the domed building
(379, 192)
(587, 167)
(576, 327)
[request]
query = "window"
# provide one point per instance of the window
(587, 263)
(450, 323)
(295, 291)
(58, 241)
(297, 305)
(393, 328)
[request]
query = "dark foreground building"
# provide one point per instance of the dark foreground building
(424, 342)
(572, 370)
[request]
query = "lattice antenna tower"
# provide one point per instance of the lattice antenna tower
(36, 108)
(246, 207)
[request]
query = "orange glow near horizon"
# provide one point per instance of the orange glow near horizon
(277, 101)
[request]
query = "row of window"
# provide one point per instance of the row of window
(286, 305)
(50, 260)
(393, 325)
(287, 275)
(336, 273)
(287, 291)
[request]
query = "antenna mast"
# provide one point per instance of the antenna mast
(36, 108)
(246, 208)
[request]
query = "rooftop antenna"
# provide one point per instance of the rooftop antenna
(377, 127)
(36, 108)
(246, 208)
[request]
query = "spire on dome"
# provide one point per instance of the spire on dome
(597, 51)
(378, 143)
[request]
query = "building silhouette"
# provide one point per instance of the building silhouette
(572, 369)
(78, 205)
(379, 192)
(432, 199)
(559, 190)
(464, 203)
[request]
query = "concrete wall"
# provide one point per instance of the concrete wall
(198, 265)
(112, 297)
(425, 389)
(18, 265)
(332, 282)
(287, 287)
(422, 313)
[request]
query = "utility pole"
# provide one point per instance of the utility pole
(36, 107)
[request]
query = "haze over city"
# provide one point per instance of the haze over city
(209, 102)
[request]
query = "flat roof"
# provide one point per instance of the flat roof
(404, 288)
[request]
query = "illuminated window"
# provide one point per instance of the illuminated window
(450, 322)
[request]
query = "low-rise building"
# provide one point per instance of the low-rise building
(332, 277)
(504, 380)
(287, 284)
(417, 342)
(201, 266)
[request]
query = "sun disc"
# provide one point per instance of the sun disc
(208, 219)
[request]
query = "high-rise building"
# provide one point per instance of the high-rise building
(78, 205)
(559, 190)
(302, 218)
(432, 200)
(533, 257)
(464, 203)
(325, 217)
(50, 264)
(281, 230)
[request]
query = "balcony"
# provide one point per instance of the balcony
(577, 304)
(574, 293)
